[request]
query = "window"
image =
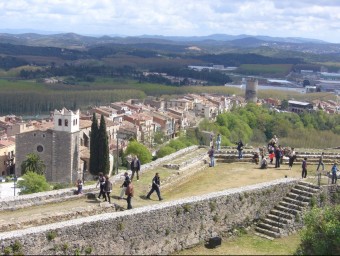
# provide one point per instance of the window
(44, 135)
(66, 122)
(40, 148)
(34, 134)
(59, 122)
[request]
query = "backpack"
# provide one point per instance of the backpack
(110, 185)
(129, 190)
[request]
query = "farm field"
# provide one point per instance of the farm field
(258, 69)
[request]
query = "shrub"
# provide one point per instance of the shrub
(177, 144)
(164, 151)
(51, 235)
(136, 148)
(88, 250)
(33, 183)
(322, 233)
(186, 208)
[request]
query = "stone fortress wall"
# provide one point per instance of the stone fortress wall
(157, 229)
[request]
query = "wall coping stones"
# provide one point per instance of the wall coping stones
(13, 202)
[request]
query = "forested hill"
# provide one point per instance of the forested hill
(18, 55)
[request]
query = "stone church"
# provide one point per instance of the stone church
(59, 147)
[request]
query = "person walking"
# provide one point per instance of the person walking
(124, 185)
(291, 156)
(135, 167)
(334, 176)
(101, 183)
(218, 142)
(304, 168)
(211, 154)
(240, 149)
(107, 189)
(321, 162)
(156, 183)
(129, 192)
(277, 153)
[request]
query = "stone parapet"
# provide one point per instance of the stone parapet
(157, 229)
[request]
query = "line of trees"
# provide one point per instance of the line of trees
(213, 77)
(43, 102)
(258, 124)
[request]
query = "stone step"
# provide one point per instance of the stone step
(269, 227)
(263, 236)
(306, 188)
(301, 192)
(298, 197)
(291, 206)
(274, 223)
(285, 209)
(278, 219)
(295, 202)
(267, 232)
(282, 214)
(307, 184)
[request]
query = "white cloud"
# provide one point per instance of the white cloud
(319, 19)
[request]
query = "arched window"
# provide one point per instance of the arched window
(66, 122)
(59, 122)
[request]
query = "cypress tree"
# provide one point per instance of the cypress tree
(94, 146)
(103, 148)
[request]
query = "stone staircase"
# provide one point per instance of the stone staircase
(283, 219)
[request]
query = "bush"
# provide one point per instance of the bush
(177, 144)
(33, 183)
(164, 151)
(322, 233)
(136, 148)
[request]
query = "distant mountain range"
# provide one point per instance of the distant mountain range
(216, 43)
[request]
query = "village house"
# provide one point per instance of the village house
(121, 108)
(7, 157)
(164, 123)
(154, 102)
(145, 125)
(179, 103)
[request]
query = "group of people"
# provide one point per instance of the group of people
(127, 188)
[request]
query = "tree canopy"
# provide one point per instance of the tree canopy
(140, 150)
(257, 124)
(33, 163)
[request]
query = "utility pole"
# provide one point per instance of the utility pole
(117, 162)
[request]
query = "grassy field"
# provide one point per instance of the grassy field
(21, 86)
(248, 244)
(258, 69)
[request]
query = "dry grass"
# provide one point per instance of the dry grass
(249, 245)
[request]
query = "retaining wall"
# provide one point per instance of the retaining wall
(60, 195)
(157, 229)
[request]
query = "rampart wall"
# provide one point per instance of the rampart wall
(158, 229)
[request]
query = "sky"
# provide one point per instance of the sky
(317, 19)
